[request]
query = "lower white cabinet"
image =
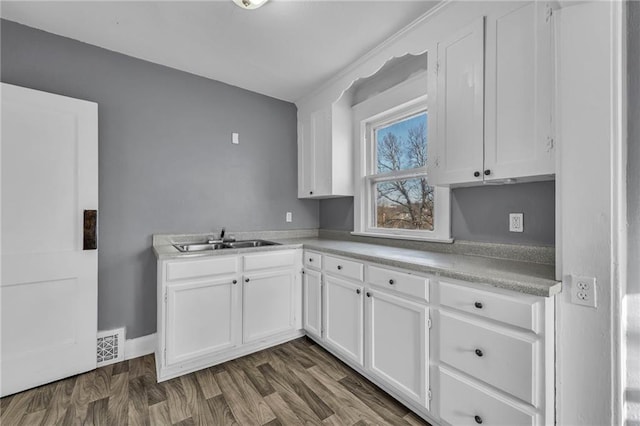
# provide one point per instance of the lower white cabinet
(312, 302)
(343, 317)
(397, 343)
(268, 305)
(202, 318)
(215, 308)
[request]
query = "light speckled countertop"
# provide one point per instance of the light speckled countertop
(524, 277)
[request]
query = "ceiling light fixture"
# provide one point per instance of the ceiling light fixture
(249, 4)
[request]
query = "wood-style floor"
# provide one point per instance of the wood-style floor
(294, 383)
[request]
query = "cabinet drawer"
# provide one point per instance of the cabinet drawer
(502, 360)
(521, 311)
(461, 402)
(411, 285)
(183, 269)
(312, 260)
(343, 267)
(275, 259)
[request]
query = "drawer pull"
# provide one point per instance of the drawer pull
(358, 291)
(311, 259)
(368, 294)
(235, 281)
(246, 280)
(479, 353)
(339, 267)
(391, 282)
(478, 305)
(478, 419)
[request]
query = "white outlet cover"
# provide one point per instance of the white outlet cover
(516, 222)
(583, 291)
(235, 138)
(288, 217)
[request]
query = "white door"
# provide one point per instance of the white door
(460, 106)
(397, 344)
(268, 304)
(344, 317)
(312, 283)
(203, 317)
(48, 290)
(518, 92)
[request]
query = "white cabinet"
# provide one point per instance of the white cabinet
(210, 309)
(325, 151)
(458, 150)
(312, 302)
(268, 306)
(343, 317)
(397, 343)
(202, 318)
(494, 99)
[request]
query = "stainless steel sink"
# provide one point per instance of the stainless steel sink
(250, 243)
(190, 247)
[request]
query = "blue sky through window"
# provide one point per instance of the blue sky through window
(399, 154)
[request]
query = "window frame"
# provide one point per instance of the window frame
(399, 102)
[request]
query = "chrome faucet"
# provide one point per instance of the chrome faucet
(222, 234)
(222, 239)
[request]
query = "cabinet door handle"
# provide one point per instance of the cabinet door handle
(311, 259)
(487, 172)
(303, 271)
(368, 294)
(479, 352)
(476, 174)
(478, 305)
(310, 192)
(246, 280)
(391, 282)
(339, 267)
(358, 291)
(235, 281)
(478, 419)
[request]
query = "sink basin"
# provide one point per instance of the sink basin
(198, 247)
(194, 247)
(250, 243)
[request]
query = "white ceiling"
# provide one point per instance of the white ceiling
(284, 49)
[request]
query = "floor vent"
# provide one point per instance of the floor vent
(110, 347)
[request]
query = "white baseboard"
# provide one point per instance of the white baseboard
(145, 345)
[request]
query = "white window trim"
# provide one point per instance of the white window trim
(401, 100)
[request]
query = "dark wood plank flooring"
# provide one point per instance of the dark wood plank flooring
(294, 383)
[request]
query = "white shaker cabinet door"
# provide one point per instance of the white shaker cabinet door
(398, 343)
(203, 317)
(343, 317)
(312, 316)
(268, 306)
(518, 140)
(460, 108)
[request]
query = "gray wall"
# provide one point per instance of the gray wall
(479, 213)
(167, 164)
(632, 394)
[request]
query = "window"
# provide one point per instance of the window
(393, 197)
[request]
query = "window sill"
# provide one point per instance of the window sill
(403, 237)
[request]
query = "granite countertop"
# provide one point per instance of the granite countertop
(524, 277)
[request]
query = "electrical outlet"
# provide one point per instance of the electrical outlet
(288, 217)
(235, 138)
(583, 291)
(516, 222)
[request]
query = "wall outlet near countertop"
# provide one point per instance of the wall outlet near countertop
(583, 291)
(288, 217)
(516, 222)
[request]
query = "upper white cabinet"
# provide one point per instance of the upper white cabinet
(494, 98)
(325, 151)
(458, 149)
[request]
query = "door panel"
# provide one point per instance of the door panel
(268, 304)
(343, 316)
(398, 344)
(202, 318)
(49, 284)
(313, 302)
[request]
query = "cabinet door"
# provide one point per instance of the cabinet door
(519, 77)
(460, 107)
(203, 317)
(312, 283)
(321, 134)
(267, 304)
(306, 158)
(343, 317)
(398, 344)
